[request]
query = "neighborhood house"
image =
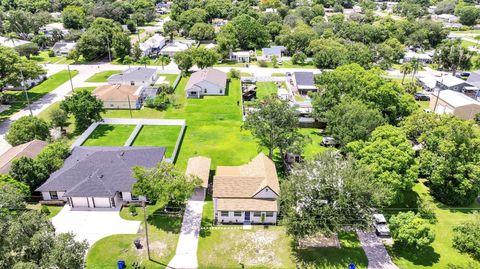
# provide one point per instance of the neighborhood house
(304, 82)
(247, 193)
(206, 82)
(63, 48)
(456, 103)
(99, 177)
(268, 53)
(119, 96)
(450, 82)
(152, 45)
(176, 46)
(138, 76)
(30, 149)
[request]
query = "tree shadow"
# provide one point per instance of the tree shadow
(165, 221)
(422, 257)
(100, 131)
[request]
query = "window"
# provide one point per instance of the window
(134, 197)
(132, 83)
(237, 213)
(221, 91)
(224, 213)
(120, 194)
(205, 91)
(269, 214)
(257, 214)
(53, 195)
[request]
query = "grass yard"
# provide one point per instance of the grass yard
(43, 57)
(279, 75)
(314, 146)
(54, 210)
(19, 100)
(103, 76)
(158, 136)
(441, 253)
(170, 78)
(109, 135)
(424, 104)
(163, 235)
(265, 89)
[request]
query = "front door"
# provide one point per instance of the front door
(247, 215)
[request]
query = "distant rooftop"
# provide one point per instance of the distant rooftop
(133, 74)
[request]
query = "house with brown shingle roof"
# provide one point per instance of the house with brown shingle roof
(199, 167)
(248, 193)
(30, 149)
(206, 82)
(119, 96)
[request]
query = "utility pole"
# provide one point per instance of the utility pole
(70, 75)
(146, 230)
(129, 107)
(438, 97)
(24, 88)
(108, 46)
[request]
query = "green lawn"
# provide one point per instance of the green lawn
(279, 75)
(43, 57)
(158, 136)
(103, 76)
(441, 253)
(163, 235)
(19, 100)
(265, 89)
(109, 135)
(424, 104)
(313, 146)
(170, 78)
(54, 210)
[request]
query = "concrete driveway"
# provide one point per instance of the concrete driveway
(377, 255)
(93, 225)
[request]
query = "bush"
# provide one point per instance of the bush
(409, 230)
(299, 58)
(166, 89)
(477, 118)
(465, 237)
(262, 63)
(160, 101)
(234, 73)
(44, 210)
(132, 209)
(51, 53)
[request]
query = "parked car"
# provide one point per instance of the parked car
(329, 141)
(380, 224)
(465, 74)
(289, 74)
(421, 96)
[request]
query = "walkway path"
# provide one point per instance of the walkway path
(186, 253)
(377, 255)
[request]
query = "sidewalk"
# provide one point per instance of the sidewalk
(186, 253)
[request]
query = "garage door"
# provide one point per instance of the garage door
(101, 202)
(79, 202)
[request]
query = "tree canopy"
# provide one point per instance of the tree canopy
(26, 129)
(85, 107)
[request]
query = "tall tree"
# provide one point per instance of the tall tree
(12, 67)
(85, 107)
(389, 156)
(409, 230)
(204, 58)
(73, 17)
(26, 129)
(274, 123)
(328, 193)
(184, 60)
(406, 69)
(451, 55)
(352, 120)
(250, 33)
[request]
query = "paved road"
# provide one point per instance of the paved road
(186, 253)
(85, 71)
(377, 255)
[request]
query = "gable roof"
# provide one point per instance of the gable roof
(247, 180)
(134, 74)
(456, 99)
(450, 81)
(117, 92)
(30, 149)
(273, 50)
(101, 171)
(304, 78)
(474, 78)
(211, 75)
(200, 167)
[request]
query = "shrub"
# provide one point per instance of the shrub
(299, 58)
(132, 209)
(44, 210)
(465, 237)
(160, 101)
(409, 230)
(234, 73)
(262, 63)
(51, 53)
(26, 129)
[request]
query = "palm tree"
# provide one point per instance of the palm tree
(164, 60)
(415, 65)
(406, 68)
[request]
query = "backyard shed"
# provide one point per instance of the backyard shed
(199, 167)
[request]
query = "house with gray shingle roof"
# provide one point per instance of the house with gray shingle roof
(304, 81)
(208, 81)
(135, 76)
(268, 53)
(99, 177)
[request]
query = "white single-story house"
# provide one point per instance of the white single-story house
(135, 76)
(268, 53)
(50, 28)
(170, 49)
(453, 83)
(455, 103)
(63, 48)
(423, 58)
(119, 96)
(204, 82)
(152, 45)
(99, 177)
(304, 81)
(247, 193)
(427, 82)
(240, 56)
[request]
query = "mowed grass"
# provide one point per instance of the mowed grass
(109, 135)
(54, 210)
(265, 89)
(169, 78)
(313, 145)
(19, 100)
(441, 254)
(158, 136)
(103, 76)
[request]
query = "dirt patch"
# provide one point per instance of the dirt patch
(157, 248)
(319, 241)
(257, 248)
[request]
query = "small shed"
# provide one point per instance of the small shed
(199, 167)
